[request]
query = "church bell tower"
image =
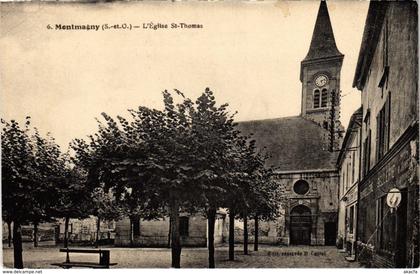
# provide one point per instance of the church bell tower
(320, 73)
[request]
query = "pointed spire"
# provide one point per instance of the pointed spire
(323, 42)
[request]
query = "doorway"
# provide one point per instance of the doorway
(401, 233)
(330, 232)
(300, 225)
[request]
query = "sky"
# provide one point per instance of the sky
(247, 53)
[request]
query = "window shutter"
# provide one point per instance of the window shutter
(365, 157)
(378, 139)
(324, 98)
(369, 149)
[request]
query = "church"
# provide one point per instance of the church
(303, 154)
(303, 148)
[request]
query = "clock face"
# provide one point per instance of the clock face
(321, 80)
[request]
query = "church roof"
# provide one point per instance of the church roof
(294, 143)
(323, 42)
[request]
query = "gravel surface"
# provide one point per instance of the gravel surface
(266, 257)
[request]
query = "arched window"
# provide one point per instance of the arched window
(301, 187)
(324, 98)
(316, 98)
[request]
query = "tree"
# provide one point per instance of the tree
(237, 200)
(251, 165)
(262, 199)
(265, 202)
(256, 192)
(16, 155)
(145, 161)
(214, 138)
(31, 165)
(73, 197)
(219, 154)
(50, 171)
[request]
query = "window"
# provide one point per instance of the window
(84, 229)
(348, 175)
(382, 133)
(383, 83)
(324, 98)
(183, 226)
(353, 164)
(316, 98)
(135, 225)
(301, 187)
(351, 219)
(345, 176)
(366, 151)
(362, 224)
(386, 225)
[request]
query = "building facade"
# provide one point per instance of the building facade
(387, 76)
(80, 232)
(349, 170)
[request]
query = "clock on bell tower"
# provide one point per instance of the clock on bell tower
(320, 71)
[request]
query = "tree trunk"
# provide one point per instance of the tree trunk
(9, 237)
(231, 235)
(66, 232)
(245, 233)
(17, 246)
(256, 233)
(98, 230)
(36, 234)
(175, 239)
(169, 234)
(211, 218)
(131, 232)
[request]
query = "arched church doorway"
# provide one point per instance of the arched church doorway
(300, 225)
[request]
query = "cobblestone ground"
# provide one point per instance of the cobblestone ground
(266, 257)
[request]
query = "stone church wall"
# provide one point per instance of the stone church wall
(269, 232)
(321, 199)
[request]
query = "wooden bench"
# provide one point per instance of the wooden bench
(103, 258)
